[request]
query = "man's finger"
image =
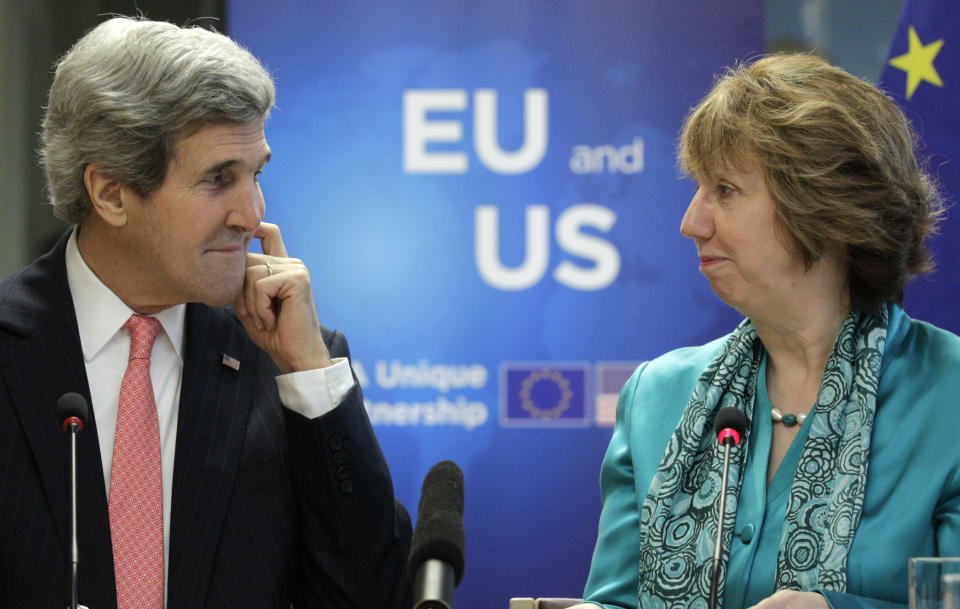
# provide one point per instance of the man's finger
(263, 303)
(271, 242)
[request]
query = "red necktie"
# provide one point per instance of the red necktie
(136, 491)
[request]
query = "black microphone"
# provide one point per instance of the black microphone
(437, 549)
(72, 411)
(730, 426)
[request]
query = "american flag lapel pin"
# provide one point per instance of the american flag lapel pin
(230, 362)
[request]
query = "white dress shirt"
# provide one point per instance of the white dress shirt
(106, 349)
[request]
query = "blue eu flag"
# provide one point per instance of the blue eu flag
(922, 74)
(546, 394)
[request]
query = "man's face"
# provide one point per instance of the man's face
(188, 239)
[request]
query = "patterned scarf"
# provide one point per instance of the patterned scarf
(678, 520)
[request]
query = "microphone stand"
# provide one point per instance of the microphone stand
(434, 583)
(72, 409)
(74, 553)
(723, 505)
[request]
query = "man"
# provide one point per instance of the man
(230, 462)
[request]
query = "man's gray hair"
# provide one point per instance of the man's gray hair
(127, 90)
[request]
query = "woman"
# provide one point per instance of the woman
(809, 217)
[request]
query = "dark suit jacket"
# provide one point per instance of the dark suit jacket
(269, 509)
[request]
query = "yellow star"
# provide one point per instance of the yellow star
(918, 63)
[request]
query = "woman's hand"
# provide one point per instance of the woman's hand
(793, 599)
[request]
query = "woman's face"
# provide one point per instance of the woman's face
(732, 221)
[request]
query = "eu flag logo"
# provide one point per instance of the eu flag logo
(922, 74)
(544, 394)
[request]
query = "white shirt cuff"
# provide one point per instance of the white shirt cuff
(314, 393)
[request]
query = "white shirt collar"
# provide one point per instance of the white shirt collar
(101, 313)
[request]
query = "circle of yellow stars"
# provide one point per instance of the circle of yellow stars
(917, 62)
(566, 394)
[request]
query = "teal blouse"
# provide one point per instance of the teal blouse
(911, 503)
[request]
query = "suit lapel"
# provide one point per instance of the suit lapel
(47, 363)
(214, 409)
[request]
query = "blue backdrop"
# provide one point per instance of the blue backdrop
(487, 196)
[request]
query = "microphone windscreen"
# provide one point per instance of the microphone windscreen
(72, 405)
(730, 418)
(439, 533)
